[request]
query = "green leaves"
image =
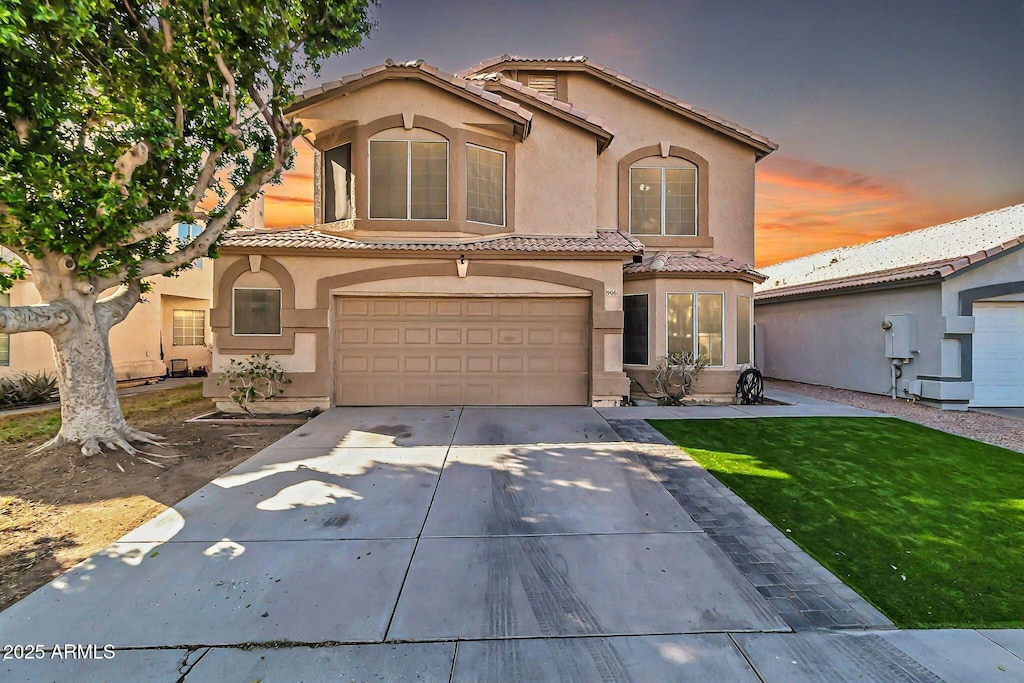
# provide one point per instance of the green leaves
(84, 81)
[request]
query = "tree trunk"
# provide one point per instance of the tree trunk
(89, 408)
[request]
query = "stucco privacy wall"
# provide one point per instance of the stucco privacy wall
(135, 343)
(309, 284)
(639, 123)
(838, 341)
(551, 175)
(715, 382)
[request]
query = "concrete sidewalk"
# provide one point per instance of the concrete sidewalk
(495, 544)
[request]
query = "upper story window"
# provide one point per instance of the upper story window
(338, 183)
(663, 199)
(409, 179)
(485, 185)
(188, 232)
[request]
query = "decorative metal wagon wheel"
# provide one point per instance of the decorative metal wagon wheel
(750, 387)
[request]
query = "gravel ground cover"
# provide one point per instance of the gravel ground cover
(1001, 431)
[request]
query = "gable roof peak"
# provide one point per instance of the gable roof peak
(761, 144)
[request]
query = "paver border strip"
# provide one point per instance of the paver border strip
(807, 595)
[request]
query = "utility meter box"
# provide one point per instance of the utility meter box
(900, 336)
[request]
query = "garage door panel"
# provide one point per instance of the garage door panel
(998, 350)
(448, 335)
(470, 351)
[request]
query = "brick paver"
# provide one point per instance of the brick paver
(807, 595)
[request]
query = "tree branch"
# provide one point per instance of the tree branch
(38, 318)
(113, 309)
(215, 226)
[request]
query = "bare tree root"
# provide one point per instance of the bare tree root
(120, 439)
(53, 444)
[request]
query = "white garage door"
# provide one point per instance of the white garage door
(998, 354)
(461, 351)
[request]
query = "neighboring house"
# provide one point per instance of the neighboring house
(170, 323)
(471, 234)
(936, 314)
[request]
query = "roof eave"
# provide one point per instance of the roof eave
(761, 148)
(521, 123)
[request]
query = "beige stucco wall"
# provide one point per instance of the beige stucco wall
(556, 174)
(555, 168)
(134, 343)
(838, 341)
(639, 123)
(716, 382)
(305, 347)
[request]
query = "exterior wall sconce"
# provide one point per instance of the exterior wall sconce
(463, 265)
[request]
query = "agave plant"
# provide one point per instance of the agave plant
(28, 390)
(676, 375)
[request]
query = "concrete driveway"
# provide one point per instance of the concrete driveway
(421, 544)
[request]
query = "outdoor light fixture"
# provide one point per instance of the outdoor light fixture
(462, 265)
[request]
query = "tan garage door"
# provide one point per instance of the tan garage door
(448, 351)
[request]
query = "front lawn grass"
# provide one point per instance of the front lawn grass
(927, 526)
(138, 409)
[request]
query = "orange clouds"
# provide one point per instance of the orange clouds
(804, 207)
(291, 202)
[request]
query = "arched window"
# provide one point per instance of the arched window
(663, 197)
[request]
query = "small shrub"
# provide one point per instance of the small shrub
(28, 390)
(676, 376)
(256, 378)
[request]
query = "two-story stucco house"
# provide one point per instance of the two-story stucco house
(527, 232)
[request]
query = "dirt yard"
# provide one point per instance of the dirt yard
(58, 508)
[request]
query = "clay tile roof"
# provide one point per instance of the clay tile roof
(762, 143)
(497, 79)
(692, 262)
(938, 251)
(605, 241)
(474, 90)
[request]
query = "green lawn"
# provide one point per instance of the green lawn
(927, 526)
(139, 409)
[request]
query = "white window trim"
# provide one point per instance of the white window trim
(252, 334)
(696, 201)
(650, 337)
(504, 186)
(192, 310)
(408, 179)
(696, 341)
(750, 331)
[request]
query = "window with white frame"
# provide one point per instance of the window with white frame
(663, 200)
(485, 185)
(696, 325)
(409, 179)
(635, 330)
(743, 329)
(188, 232)
(188, 328)
(5, 339)
(256, 311)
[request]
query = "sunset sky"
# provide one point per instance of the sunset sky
(889, 116)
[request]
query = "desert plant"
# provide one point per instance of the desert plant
(676, 375)
(28, 390)
(255, 378)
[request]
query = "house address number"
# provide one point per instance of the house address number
(611, 292)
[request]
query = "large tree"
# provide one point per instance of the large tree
(118, 120)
